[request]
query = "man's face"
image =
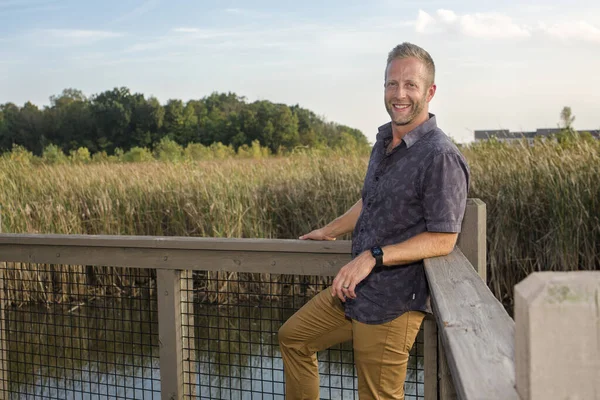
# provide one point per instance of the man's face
(407, 91)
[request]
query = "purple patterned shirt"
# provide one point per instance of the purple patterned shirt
(420, 186)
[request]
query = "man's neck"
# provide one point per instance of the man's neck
(399, 131)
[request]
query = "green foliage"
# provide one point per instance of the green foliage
(220, 152)
(20, 155)
(168, 150)
(138, 154)
(255, 151)
(102, 157)
(196, 152)
(53, 154)
(586, 137)
(567, 118)
(80, 156)
(118, 118)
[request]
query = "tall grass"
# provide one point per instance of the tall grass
(543, 205)
(276, 198)
(543, 202)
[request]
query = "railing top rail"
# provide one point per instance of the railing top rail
(476, 331)
(274, 256)
(179, 243)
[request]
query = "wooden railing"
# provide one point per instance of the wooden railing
(469, 345)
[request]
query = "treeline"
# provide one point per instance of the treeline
(118, 121)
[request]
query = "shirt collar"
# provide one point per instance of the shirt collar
(412, 137)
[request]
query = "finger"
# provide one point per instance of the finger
(341, 295)
(334, 285)
(351, 294)
(337, 292)
(344, 288)
(337, 287)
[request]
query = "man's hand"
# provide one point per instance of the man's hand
(317, 234)
(351, 275)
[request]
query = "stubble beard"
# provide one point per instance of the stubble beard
(403, 121)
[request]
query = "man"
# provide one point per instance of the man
(412, 204)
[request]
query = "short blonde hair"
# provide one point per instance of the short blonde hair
(406, 50)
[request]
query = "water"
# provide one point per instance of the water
(109, 349)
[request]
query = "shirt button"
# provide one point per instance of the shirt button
(369, 204)
(362, 229)
(376, 178)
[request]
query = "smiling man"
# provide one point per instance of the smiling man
(411, 208)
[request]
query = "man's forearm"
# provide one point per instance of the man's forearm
(419, 247)
(344, 223)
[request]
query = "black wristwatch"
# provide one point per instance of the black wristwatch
(377, 253)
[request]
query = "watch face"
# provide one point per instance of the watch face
(377, 251)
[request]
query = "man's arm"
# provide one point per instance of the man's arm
(339, 226)
(445, 188)
(419, 247)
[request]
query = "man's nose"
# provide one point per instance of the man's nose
(400, 92)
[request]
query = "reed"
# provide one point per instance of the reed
(543, 204)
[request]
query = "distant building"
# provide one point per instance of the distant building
(504, 135)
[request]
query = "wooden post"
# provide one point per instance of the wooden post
(430, 360)
(4, 386)
(472, 243)
(189, 344)
(169, 331)
(446, 385)
(472, 239)
(557, 331)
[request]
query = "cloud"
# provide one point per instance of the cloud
(243, 37)
(184, 37)
(501, 26)
(24, 3)
(424, 22)
(9, 7)
(186, 30)
(244, 12)
(142, 9)
(478, 25)
(188, 33)
(579, 31)
(73, 37)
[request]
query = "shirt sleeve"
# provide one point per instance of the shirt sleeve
(445, 188)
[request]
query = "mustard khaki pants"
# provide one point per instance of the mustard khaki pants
(380, 351)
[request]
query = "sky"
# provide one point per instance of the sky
(500, 64)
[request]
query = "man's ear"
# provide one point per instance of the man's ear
(431, 92)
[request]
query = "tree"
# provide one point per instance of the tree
(146, 121)
(69, 121)
(112, 116)
(10, 122)
(117, 119)
(567, 119)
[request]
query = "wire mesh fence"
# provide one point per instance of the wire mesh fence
(80, 333)
(232, 320)
(77, 332)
